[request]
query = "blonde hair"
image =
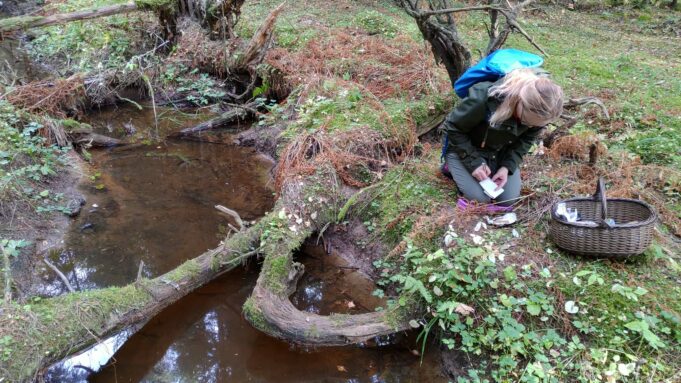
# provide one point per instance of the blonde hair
(525, 90)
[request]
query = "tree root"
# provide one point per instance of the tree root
(270, 310)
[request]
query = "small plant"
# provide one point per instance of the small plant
(376, 23)
(200, 91)
(507, 318)
(25, 158)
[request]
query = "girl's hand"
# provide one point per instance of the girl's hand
(500, 177)
(483, 171)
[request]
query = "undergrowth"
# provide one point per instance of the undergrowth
(27, 161)
(82, 46)
(578, 322)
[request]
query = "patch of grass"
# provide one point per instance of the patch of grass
(406, 193)
(49, 326)
(376, 23)
(83, 46)
(26, 160)
(337, 106)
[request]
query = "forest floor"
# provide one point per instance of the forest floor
(506, 304)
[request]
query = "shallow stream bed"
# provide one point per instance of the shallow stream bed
(155, 204)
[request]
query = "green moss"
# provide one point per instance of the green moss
(156, 5)
(253, 314)
(19, 22)
(189, 268)
(276, 271)
(406, 192)
(47, 327)
(338, 319)
(312, 331)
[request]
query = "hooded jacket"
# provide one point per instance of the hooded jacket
(475, 141)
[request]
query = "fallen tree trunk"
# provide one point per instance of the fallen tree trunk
(237, 113)
(57, 327)
(25, 22)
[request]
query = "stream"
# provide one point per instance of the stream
(154, 203)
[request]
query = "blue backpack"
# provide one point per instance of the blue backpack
(495, 66)
(491, 68)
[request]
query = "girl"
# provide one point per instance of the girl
(491, 130)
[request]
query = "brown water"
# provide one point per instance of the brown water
(156, 204)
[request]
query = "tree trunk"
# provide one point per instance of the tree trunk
(25, 22)
(58, 327)
(237, 113)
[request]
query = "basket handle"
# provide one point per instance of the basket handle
(600, 195)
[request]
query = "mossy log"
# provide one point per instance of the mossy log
(25, 22)
(208, 11)
(48, 330)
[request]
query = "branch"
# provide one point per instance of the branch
(517, 27)
(60, 274)
(573, 102)
(457, 10)
(232, 214)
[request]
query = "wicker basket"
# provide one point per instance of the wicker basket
(631, 234)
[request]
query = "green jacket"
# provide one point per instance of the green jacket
(476, 142)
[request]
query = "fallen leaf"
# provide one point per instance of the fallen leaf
(464, 309)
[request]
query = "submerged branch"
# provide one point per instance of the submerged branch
(59, 274)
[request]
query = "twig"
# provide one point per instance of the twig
(60, 274)
(457, 10)
(529, 38)
(139, 271)
(586, 101)
(232, 214)
(8, 276)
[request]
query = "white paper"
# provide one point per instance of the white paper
(490, 188)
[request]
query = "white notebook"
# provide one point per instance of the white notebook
(490, 188)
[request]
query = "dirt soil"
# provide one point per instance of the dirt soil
(44, 231)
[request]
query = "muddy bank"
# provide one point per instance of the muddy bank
(44, 231)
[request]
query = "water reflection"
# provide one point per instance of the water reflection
(204, 338)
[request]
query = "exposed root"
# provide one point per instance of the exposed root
(269, 308)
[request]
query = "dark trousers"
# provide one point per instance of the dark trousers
(471, 189)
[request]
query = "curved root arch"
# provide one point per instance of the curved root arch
(269, 308)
